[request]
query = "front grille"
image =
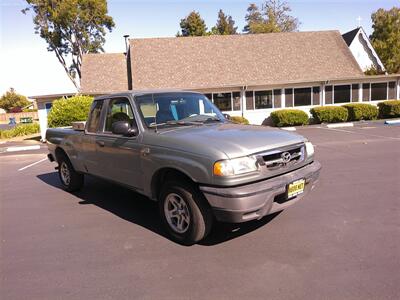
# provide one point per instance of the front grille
(281, 158)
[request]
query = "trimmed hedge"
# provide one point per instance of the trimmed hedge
(389, 109)
(66, 111)
(361, 111)
(20, 130)
(289, 117)
(239, 120)
(329, 114)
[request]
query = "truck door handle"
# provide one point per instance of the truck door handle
(100, 143)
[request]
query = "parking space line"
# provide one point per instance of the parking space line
(362, 133)
(32, 164)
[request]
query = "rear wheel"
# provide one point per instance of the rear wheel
(71, 180)
(185, 213)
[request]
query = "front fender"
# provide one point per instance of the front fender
(197, 168)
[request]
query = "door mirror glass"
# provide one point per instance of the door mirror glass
(123, 128)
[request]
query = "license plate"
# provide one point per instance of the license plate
(295, 188)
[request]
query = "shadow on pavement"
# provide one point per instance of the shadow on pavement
(139, 210)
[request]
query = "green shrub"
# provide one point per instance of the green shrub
(329, 114)
(239, 120)
(289, 117)
(20, 130)
(361, 111)
(389, 109)
(65, 111)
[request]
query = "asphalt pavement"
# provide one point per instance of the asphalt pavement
(107, 242)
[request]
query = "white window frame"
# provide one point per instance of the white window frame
(333, 93)
(302, 87)
(370, 91)
(263, 90)
(230, 92)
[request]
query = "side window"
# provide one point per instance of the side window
(94, 117)
(119, 110)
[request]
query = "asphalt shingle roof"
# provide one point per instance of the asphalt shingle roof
(104, 73)
(223, 61)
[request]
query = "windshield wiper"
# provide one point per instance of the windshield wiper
(181, 123)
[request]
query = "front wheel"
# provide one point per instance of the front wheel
(71, 180)
(185, 213)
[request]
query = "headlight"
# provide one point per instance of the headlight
(309, 149)
(235, 166)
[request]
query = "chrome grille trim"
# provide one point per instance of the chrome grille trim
(274, 160)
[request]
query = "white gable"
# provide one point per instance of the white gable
(364, 53)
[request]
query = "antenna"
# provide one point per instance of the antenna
(126, 42)
(359, 19)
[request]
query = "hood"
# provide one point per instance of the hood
(233, 140)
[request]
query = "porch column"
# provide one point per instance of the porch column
(42, 113)
(360, 91)
(283, 98)
(243, 100)
(398, 89)
(322, 101)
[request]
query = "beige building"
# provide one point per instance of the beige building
(244, 75)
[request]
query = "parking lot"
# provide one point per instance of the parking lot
(106, 242)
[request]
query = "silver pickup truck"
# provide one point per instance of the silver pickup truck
(178, 149)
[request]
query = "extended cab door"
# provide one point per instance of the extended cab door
(119, 156)
(88, 152)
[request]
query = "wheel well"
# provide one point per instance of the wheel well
(163, 175)
(60, 152)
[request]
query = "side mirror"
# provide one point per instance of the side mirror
(123, 128)
(227, 116)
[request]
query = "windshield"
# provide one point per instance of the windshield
(169, 109)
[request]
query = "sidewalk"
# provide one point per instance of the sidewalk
(22, 143)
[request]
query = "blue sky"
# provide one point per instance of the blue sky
(26, 65)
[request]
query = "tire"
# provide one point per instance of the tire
(70, 179)
(189, 222)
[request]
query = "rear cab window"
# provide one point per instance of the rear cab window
(94, 116)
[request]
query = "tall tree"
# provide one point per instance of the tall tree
(385, 37)
(11, 99)
(71, 28)
(273, 17)
(193, 25)
(225, 25)
(252, 18)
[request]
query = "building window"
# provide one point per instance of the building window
(328, 94)
(277, 98)
(249, 100)
(48, 107)
(378, 91)
(209, 96)
(354, 93)
(365, 92)
(341, 93)
(236, 100)
(263, 99)
(392, 90)
(288, 97)
(223, 101)
(302, 97)
(315, 96)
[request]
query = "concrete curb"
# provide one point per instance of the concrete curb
(21, 148)
(289, 128)
(338, 125)
(392, 122)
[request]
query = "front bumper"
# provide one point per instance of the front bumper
(256, 200)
